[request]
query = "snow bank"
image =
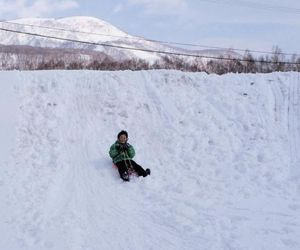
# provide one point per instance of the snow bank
(223, 150)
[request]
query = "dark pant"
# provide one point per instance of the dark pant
(125, 164)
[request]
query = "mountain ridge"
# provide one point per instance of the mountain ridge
(91, 29)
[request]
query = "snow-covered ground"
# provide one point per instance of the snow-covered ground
(223, 150)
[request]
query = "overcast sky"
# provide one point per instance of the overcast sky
(251, 24)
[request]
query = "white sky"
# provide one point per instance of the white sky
(223, 23)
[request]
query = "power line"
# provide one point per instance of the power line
(143, 50)
(152, 40)
(257, 5)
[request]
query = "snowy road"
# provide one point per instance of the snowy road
(223, 152)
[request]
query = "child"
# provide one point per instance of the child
(122, 153)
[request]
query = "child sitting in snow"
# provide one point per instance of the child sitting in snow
(122, 153)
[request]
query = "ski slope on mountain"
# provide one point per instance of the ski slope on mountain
(94, 31)
(223, 150)
(79, 28)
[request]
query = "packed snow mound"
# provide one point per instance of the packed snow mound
(223, 150)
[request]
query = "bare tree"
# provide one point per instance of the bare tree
(277, 59)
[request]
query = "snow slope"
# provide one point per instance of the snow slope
(223, 151)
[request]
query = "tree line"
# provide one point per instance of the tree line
(32, 58)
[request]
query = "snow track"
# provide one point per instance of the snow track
(222, 150)
(294, 124)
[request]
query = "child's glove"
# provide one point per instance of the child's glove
(124, 147)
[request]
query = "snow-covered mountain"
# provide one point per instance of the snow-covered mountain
(87, 29)
(103, 32)
(224, 154)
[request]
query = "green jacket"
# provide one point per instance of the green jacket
(117, 155)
